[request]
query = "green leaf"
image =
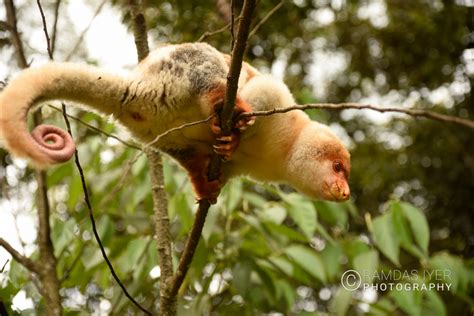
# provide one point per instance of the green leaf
(386, 238)
(331, 256)
(233, 194)
(408, 301)
(302, 211)
(354, 247)
(334, 213)
(449, 269)
(366, 264)
(307, 259)
(179, 206)
(62, 235)
(272, 212)
(418, 223)
(285, 291)
(433, 305)
(241, 276)
(284, 231)
(254, 199)
(283, 264)
(403, 231)
(340, 302)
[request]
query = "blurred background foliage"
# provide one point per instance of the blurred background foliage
(264, 251)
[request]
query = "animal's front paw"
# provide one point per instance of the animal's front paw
(242, 123)
(226, 145)
(208, 190)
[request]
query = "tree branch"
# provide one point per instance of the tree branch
(160, 200)
(15, 35)
(215, 166)
(233, 80)
(48, 277)
(343, 106)
(207, 33)
(98, 130)
(266, 17)
(84, 32)
(24, 261)
(55, 25)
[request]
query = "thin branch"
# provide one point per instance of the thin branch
(233, 80)
(96, 129)
(45, 30)
(86, 194)
(177, 128)
(211, 33)
(190, 246)
(55, 25)
(94, 226)
(76, 260)
(84, 32)
(266, 17)
(48, 277)
(4, 265)
(343, 106)
(24, 261)
(15, 35)
(215, 165)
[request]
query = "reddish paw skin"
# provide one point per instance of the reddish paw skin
(197, 165)
(207, 190)
(226, 145)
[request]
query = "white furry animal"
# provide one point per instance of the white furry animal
(178, 84)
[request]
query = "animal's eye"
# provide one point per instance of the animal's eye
(337, 166)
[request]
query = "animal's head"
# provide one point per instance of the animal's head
(319, 164)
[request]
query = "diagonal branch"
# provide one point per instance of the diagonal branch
(266, 17)
(24, 261)
(84, 32)
(215, 166)
(343, 106)
(15, 35)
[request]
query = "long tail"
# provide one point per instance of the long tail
(48, 144)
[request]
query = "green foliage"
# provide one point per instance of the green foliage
(264, 250)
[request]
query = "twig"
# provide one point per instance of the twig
(96, 129)
(215, 165)
(76, 260)
(55, 25)
(211, 33)
(190, 246)
(15, 35)
(177, 128)
(266, 17)
(343, 106)
(94, 226)
(45, 30)
(84, 32)
(4, 265)
(24, 261)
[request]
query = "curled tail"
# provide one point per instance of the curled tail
(48, 144)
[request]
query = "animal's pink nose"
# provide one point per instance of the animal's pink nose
(345, 194)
